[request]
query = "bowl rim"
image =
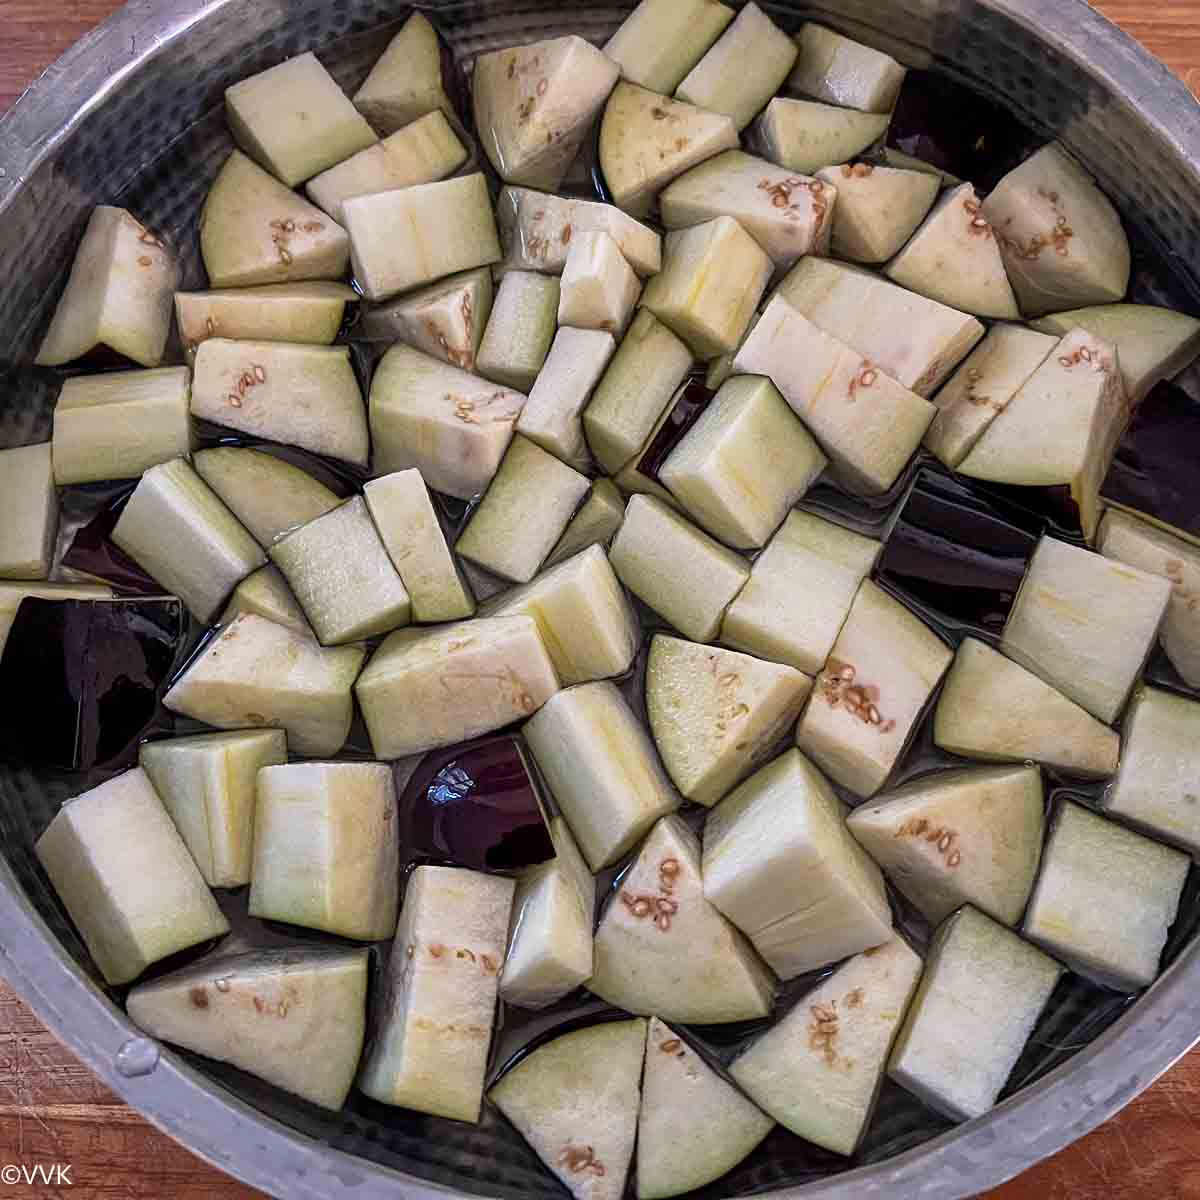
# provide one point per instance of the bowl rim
(260, 1151)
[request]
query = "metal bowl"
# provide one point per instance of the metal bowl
(131, 115)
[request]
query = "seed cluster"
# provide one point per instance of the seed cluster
(1085, 354)
(823, 1030)
(282, 232)
(978, 225)
(974, 375)
(247, 381)
(581, 1159)
(437, 951)
(945, 840)
(673, 1046)
(660, 908)
(780, 193)
(862, 701)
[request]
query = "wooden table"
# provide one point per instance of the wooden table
(52, 1110)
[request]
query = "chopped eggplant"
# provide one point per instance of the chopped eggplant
(712, 279)
(425, 688)
(407, 522)
(662, 948)
(995, 371)
(453, 426)
(648, 139)
(787, 215)
(118, 295)
(979, 999)
(306, 396)
(878, 208)
(601, 768)
(30, 507)
(880, 674)
(586, 621)
(720, 82)
(1126, 539)
(954, 258)
(993, 709)
(649, 365)
(818, 1072)
(575, 1100)
(838, 70)
(676, 569)
(222, 1008)
(536, 230)
(715, 714)
(176, 528)
(520, 329)
(595, 524)
(1085, 624)
(553, 414)
(800, 592)
(970, 836)
(804, 136)
(307, 313)
(1062, 240)
(207, 784)
(446, 319)
(916, 341)
(406, 82)
(1105, 899)
(266, 594)
(781, 865)
(743, 465)
(402, 239)
(126, 878)
(253, 231)
(599, 288)
(256, 673)
(868, 424)
(326, 850)
(295, 120)
(340, 572)
(432, 1030)
(662, 40)
(1156, 787)
(535, 104)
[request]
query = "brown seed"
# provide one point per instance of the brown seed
(489, 964)
(411, 951)
(670, 1045)
(945, 842)
(211, 326)
(816, 186)
(662, 922)
(670, 907)
(199, 997)
(145, 261)
(437, 950)
(641, 908)
(222, 985)
(847, 171)
(542, 86)
(862, 170)
(873, 715)
(954, 859)
(972, 206)
(669, 866)
(285, 257)
(1065, 360)
(235, 400)
(260, 374)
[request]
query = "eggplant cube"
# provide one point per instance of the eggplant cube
(325, 848)
(1085, 624)
(1156, 787)
(781, 865)
(712, 279)
(662, 947)
(207, 784)
(118, 295)
(677, 570)
(453, 426)
(126, 878)
(881, 673)
(994, 709)
(408, 525)
(595, 524)
(804, 136)
(406, 82)
(878, 208)
(716, 714)
(266, 594)
(309, 314)
(425, 688)
(520, 329)
(535, 104)
(599, 288)
(970, 836)
(818, 1071)
(601, 768)
(523, 513)
(800, 592)
(30, 507)
(868, 424)
(430, 1046)
(175, 527)
(222, 1008)
(255, 673)
(1106, 898)
(977, 1004)
(253, 231)
(402, 239)
(741, 468)
(662, 40)
(839, 70)
(586, 621)
(118, 425)
(294, 120)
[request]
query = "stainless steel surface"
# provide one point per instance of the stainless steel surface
(115, 102)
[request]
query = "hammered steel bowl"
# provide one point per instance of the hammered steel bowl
(132, 116)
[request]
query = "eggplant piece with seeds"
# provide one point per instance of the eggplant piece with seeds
(662, 40)
(264, 1012)
(308, 313)
(406, 81)
(30, 506)
(878, 208)
(838, 70)
(804, 136)
(663, 948)
(520, 329)
(599, 288)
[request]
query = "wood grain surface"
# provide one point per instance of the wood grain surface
(53, 1111)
